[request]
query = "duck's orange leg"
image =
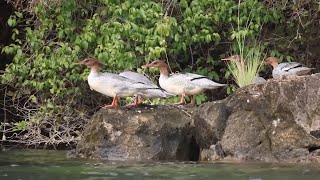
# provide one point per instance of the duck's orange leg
(113, 104)
(141, 100)
(135, 102)
(182, 101)
(191, 100)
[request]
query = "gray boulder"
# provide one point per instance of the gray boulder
(277, 121)
(145, 133)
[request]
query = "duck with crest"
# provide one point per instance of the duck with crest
(182, 84)
(286, 68)
(114, 85)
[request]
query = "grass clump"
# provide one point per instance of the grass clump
(245, 66)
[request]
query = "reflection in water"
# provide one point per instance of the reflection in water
(52, 165)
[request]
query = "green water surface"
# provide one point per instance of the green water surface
(53, 165)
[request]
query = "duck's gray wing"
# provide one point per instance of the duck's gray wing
(190, 81)
(137, 77)
(289, 66)
(203, 81)
(123, 81)
(153, 90)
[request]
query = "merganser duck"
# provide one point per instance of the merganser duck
(240, 64)
(286, 69)
(183, 84)
(155, 92)
(112, 85)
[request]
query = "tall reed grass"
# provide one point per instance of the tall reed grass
(245, 65)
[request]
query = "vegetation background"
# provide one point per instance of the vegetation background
(45, 99)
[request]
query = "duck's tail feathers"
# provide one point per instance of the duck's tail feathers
(304, 70)
(155, 93)
(216, 85)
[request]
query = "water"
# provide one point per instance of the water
(52, 165)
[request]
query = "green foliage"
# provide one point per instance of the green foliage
(123, 34)
(200, 99)
(22, 125)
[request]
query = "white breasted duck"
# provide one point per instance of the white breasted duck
(287, 68)
(112, 85)
(183, 84)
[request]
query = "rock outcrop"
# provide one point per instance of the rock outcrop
(278, 121)
(143, 133)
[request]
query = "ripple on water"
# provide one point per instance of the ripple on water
(129, 174)
(113, 174)
(255, 178)
(93, 173)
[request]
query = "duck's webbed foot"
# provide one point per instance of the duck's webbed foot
(113, 104)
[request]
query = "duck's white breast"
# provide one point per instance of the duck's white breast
(101, 84)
